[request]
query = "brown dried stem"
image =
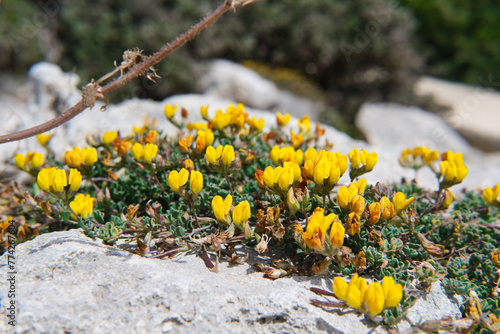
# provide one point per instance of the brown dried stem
(136, 71)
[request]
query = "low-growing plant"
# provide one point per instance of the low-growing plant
(225, 181)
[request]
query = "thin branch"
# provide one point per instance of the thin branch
(136, 71)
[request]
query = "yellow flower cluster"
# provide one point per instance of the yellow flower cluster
(204, 138)
(55, 179)
(316, 231)
(82, 205)
(381, 211)
(324, 168)
(418, 157)
(452, 169)
(350, 198)
(30, 161)
(280, 179)
(370, 298)
(77, 157)
(220, 156)
(280, 155)
(281, 119)
(241, 213)
(491, 195)
(144, 153)
(361, 162)
(177, 180)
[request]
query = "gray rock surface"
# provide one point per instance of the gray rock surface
(474, 111)
(52, 89)
(66, 282)
(228, 80)
(390, 127)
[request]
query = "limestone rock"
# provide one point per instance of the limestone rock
(52, 89)
(232, 81)
(66, 282)
(390, 127)
(473, 110)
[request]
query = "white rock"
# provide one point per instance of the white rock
(67, 282)
(390, 127)
(52, 89)
(474, 111)
(232, 81)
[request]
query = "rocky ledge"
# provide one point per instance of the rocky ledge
(69, 283)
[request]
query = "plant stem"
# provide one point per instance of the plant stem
(230, 186)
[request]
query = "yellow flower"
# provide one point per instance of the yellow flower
(109, 137)
(32, 160)
(400, 202)
(393, 293)
(189, 164)
(74, 179)
(340, 287)
(169, 111)
(241, 213)
(221, 120)
(150, 151)
(345, 196)
(355, 158)
(52, 179)
(43, 139)
(185, 144)
(356, 290)
(321, 171)
(318, 224)
(387, 209)
(456, 158)
(256, 124)
(447, 199)
(282, 119)
(78, 156)
(374, 298)
(197, 126)
(296, 140)
(213, 154)
(310, 154)
(178, 179)
(357, 204)
(361, 185)
(151, 137)
(204, 112)
(221, 208)
(451, 173)
(305, 124)
(228, 155)
(196, 182)
(337, 233)
(137, 151)
(352, 223)
(82, 205)
(374, 213)
(275, 154)
(491, 195)
(361, 162)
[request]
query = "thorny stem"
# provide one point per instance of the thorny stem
(135, 72)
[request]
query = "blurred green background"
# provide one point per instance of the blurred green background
(340, 52)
